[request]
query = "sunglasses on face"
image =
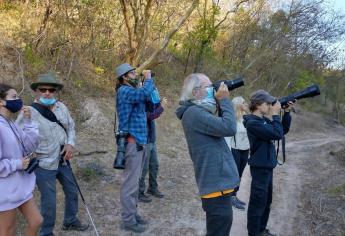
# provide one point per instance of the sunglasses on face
(43, 90)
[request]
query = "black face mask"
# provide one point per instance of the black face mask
(14, 105)
(134, 82)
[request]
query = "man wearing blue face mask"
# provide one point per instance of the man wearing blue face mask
(215, 169)
(57, 139)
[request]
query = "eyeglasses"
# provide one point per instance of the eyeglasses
(204, 87)
(43, 90)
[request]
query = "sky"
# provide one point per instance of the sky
(339, 5)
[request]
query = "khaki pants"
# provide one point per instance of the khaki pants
(130, 184)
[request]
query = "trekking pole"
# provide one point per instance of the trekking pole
(82, 197)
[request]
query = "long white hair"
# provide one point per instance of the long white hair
(238, 101)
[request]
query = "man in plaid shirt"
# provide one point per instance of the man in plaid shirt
(130, 106)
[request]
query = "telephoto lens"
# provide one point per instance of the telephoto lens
(232, 84)
(308, 92)
(120, 159)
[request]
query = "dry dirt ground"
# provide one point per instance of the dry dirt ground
(306, 199)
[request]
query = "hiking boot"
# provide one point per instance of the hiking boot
(267, 232)
(140, 220)
(136, 228)
(240, 202)
(236, 204)
(156, 193)
(76, 226)
(144, 198)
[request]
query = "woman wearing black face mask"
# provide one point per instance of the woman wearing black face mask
(16, 185)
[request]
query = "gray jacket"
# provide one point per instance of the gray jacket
(214, 166)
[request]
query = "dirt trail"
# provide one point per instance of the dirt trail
(288, 184)
(180, 212)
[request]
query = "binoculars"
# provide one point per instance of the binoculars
(153, 74)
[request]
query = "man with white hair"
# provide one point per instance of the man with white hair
(214, 166)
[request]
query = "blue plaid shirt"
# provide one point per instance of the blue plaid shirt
(130, 106)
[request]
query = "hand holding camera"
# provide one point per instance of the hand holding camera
(222, 92)
(25, 162)
(275, 108)
(289, 106)
(29, 163)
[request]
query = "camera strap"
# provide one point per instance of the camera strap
(48, 114)
(283, 148)
(283, 151)
(16, 133)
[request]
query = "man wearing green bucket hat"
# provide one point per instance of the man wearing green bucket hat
(57, 139)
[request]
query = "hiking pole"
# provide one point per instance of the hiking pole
(82, 197)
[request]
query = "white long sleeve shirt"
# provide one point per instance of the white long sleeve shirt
(52, 135)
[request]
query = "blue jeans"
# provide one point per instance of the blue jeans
(46, 183)
(151, 165)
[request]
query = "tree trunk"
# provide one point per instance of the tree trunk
(150, 61)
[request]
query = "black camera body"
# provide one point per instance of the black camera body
(121, 141)
(232, 84)
(32, 165)
(308, 92)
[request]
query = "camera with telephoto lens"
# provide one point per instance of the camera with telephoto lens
(121, 141)
(308, 92)
(32, 164)
(232, 84)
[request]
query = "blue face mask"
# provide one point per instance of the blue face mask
(210, 93)
(14, 105)
(208, 102)
(47, 101)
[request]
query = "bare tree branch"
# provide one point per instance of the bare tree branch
(172, 32)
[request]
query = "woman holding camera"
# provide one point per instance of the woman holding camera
(16, 185)
(264, 126)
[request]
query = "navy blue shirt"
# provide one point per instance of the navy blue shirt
(262, 132)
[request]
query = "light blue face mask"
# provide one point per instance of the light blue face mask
(208, 102)
(210, 93)
(47, 101)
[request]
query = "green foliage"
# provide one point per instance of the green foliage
(33, 60)
(307, 78)
(338, 190)
(91, 171)
(7, 6)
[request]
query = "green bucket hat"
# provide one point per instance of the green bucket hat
(47, 79)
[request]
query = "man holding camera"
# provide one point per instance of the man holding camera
(215, 169)
(262, 132)
(57, 138)
(131, 110)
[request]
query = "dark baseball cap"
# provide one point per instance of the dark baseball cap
(262, 96)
